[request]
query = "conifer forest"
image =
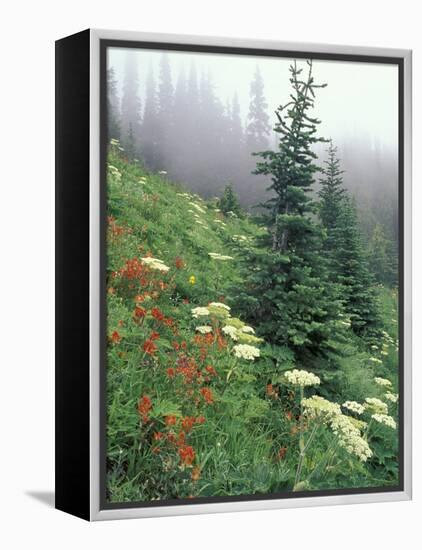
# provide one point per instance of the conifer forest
(252, 278)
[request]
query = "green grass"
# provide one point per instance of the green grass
(245, 438)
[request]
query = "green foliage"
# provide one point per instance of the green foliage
(258, 126)
(288, 292)
(383, 257)
(331, 192)
(348, 265)
(229, 203)
(350, 270)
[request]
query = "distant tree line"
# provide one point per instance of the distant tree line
(183, 127)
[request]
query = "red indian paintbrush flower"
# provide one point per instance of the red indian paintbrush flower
(139, 312)
(115, 337)
(207, 395)
(187, 455)
(188, 422)
(144, 406)
(157, 314)
(149, 347)
(170, 420)
(179, 263)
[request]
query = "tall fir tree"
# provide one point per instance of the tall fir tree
(348, 264)
(113, 106)
(130, 144)
(229, 202)
(149, 135)
(131, 104)
(292, 166)
(236, 129)
(288, 294)
(332, 190)
(165, 111)
(349, 268)
(257, 126)
(180, 136)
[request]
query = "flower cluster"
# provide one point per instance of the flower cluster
(219, 305)
(392, 397)
(301, 378)
(144, 407)
(115, 337)
(354, 407)
(376, 405)
(204, 329)
(385, 419)
(319, 407)
(242, 334)
(221, 257)
(114, 173)
(349, 437)
(220, 311)
(245, 351)
(199, 208)
(200, 312)
(230, 331)
(154, 263)
(382, 382)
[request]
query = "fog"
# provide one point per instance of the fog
(358, 110)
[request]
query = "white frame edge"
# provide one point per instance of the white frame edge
(142, 512)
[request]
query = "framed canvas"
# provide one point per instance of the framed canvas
(233, 276)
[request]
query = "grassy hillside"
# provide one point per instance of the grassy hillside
(198, 405)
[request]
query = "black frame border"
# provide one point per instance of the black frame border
(257, 52)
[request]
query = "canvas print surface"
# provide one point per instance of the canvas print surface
(252, 276)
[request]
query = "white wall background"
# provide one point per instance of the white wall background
(29, 29)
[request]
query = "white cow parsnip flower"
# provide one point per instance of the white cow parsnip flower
(204, 329)
(301, 378)
(199, 312)
(382, 381)
(385, 419)
(375, 405)
(354, 406)
(244, 351)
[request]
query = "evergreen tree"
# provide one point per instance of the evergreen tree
(150, 136)
(113, 111)
(292, 166)
(349, 268)
(211, 129)
(383, 257)
(258, 126)
(348, 265)
(131, 104)
(165, 90)
(332, 191)
(288, 294)
(236, 130)
(130, 144)
(229, 202)
(180, 137)
(165, 112)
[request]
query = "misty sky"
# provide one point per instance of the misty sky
(361, 99)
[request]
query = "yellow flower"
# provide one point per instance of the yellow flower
(192, 279)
